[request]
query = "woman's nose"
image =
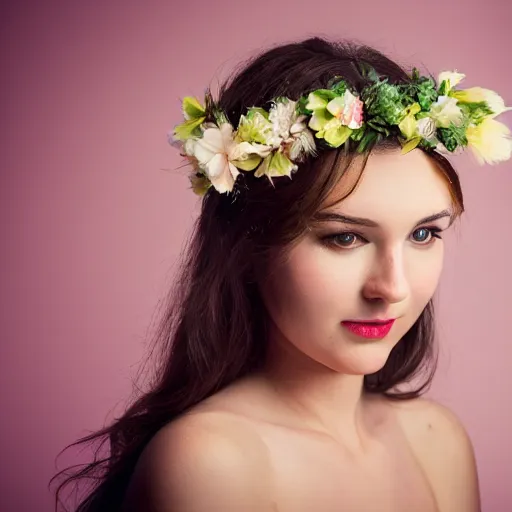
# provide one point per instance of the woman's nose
(387, 279)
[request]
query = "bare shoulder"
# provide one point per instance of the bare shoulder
(442, 445)
(205, 461)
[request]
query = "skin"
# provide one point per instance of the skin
(301, 435)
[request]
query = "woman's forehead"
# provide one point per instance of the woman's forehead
(393, 184)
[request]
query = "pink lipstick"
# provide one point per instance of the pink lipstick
(376, 329)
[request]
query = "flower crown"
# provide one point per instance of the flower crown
(271, 143)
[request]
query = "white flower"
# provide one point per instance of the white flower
(452, 77)
(289, 128)
(303, 144)
(216, 151)
(445, 111)
(426, 127)
(478, 94)
(282, 115)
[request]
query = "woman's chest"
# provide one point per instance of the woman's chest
(311, 474)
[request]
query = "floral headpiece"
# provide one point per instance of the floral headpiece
(271, 143)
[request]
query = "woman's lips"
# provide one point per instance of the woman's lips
(373, 330)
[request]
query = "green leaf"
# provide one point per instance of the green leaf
(369, 138)
(384, 100)
(192, 108)
(379, 127)
(443, 88)
(453, 136)
(358, 134)
(427, 93)
(367, 71)
(302, 106)
(408, 126)
(256, 110)
(410, 145)
(188, 128)
(220, 117)
(427, 144)
(199, 183)
(339, 88)
(476, 112)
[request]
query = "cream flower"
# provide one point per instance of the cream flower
(490, 141)
(478, 94)
(290, 133)
(426, 128)
(217, 152)
(282, 115)
(452, 77)
(445, 111)
(289, 127)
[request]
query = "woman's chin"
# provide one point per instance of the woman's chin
(362, 362)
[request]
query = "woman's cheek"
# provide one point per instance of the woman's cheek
(425, 274)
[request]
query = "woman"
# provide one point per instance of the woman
(304, 301)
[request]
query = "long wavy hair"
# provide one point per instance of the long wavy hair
(214, 322)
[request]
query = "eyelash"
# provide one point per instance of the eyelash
(330, 240)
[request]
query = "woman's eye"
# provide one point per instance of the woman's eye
(344, 240)
(349, 240)
(425, 236)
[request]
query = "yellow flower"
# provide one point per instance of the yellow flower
(478, 94)
(490, 141)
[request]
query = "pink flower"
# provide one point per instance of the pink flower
(348, 109)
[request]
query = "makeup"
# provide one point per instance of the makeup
(376, 329)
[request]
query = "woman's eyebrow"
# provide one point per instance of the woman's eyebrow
(346, 219)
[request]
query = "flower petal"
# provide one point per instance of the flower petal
(336, 106)
(315, 102)
(202, 152)
(277, 164)
(478, 94)
(224, 181)
(408, 126)
(212, 140)
(445, 112)
(217, 166)
(319, 119)
(490, 141)
(185, 130)
(337, 136)
(410, 145)
(248, 164)
(452, 77)
(192, 109)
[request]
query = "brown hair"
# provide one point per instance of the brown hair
(214, 321)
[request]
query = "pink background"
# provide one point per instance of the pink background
(92, 224)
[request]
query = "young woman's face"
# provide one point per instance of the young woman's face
(371, 256)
